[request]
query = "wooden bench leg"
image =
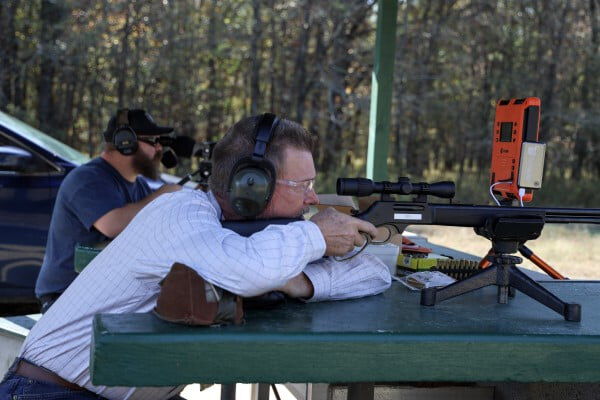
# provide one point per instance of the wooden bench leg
(260, 391)
(361, 391)
(228, 392)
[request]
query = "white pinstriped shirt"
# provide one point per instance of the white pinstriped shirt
(185, 227)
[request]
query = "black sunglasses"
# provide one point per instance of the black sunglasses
(162, 140)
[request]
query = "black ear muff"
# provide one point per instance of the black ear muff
(252, 180)
(124, 138)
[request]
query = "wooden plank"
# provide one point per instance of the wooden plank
(385, 338)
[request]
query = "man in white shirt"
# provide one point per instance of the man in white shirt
(185, 227)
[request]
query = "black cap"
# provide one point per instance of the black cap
(141, 122)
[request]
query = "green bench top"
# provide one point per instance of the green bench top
(384, 338)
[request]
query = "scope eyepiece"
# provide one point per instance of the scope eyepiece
(364, 187)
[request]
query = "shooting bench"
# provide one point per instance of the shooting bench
(389, 339)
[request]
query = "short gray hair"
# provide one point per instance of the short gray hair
(239, 142)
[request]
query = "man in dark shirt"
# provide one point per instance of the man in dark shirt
(97, 200)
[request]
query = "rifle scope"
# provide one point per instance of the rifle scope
(364, 187)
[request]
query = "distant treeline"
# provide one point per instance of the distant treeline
(202, 64)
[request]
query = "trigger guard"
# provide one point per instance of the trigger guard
(387, 239)
(357, 252)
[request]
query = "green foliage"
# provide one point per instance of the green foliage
(201, 65)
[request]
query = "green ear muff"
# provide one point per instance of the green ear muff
(250, 191)
(252, 180)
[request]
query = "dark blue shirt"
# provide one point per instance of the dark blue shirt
(87, 193)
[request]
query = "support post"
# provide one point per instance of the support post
(381, 90)
(361, 391)
(228, 391)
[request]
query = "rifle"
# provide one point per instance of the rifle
(508, 228)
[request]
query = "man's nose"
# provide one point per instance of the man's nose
(311, 197)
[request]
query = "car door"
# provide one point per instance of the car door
(28, 187)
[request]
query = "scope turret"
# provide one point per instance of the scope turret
(364, 187)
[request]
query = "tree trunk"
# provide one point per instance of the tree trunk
(345, 35)
(314, 125)
(121, 61)
(300, 86)
(273, 103)
(557, 35)
(8, 52)
(213, 101)
(589, 89)
(282, 79)
(50, 18)
(255, 53)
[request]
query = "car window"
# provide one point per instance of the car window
(42, 140)
(14, 159)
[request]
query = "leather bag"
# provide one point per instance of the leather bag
(186, 298)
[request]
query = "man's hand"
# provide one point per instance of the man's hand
(341, 232)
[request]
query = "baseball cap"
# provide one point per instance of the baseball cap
(141, 122)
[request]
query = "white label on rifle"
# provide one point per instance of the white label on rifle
(412, 217)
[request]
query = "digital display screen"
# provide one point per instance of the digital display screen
(506, 131)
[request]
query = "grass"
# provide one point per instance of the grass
(574, 251)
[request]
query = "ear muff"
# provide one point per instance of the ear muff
(252, 180)
(124, 138)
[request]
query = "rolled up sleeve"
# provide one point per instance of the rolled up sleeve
(363, 275)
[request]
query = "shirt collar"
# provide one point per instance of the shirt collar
(215, 203)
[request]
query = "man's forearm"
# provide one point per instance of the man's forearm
(113, 222)
(119, 218)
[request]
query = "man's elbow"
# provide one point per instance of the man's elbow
(384, 278)
(380, 278)
(109, 232)
(110, 225)
(259, 288)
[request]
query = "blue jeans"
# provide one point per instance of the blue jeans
(15, 387)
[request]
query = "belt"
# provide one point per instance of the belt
(28, 370)
(47, 300)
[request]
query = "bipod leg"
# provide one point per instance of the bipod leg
(523, 283)
(431, 296)
(485, 262)
(544, 266)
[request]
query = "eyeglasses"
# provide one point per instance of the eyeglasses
(307, 185)
(154, 140)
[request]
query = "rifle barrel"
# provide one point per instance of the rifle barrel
(415, 213)
(573, 215)
(478, 214)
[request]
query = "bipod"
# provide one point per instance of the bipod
(544, 266)
(506, 234)
(531, 256)
(503, 273)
